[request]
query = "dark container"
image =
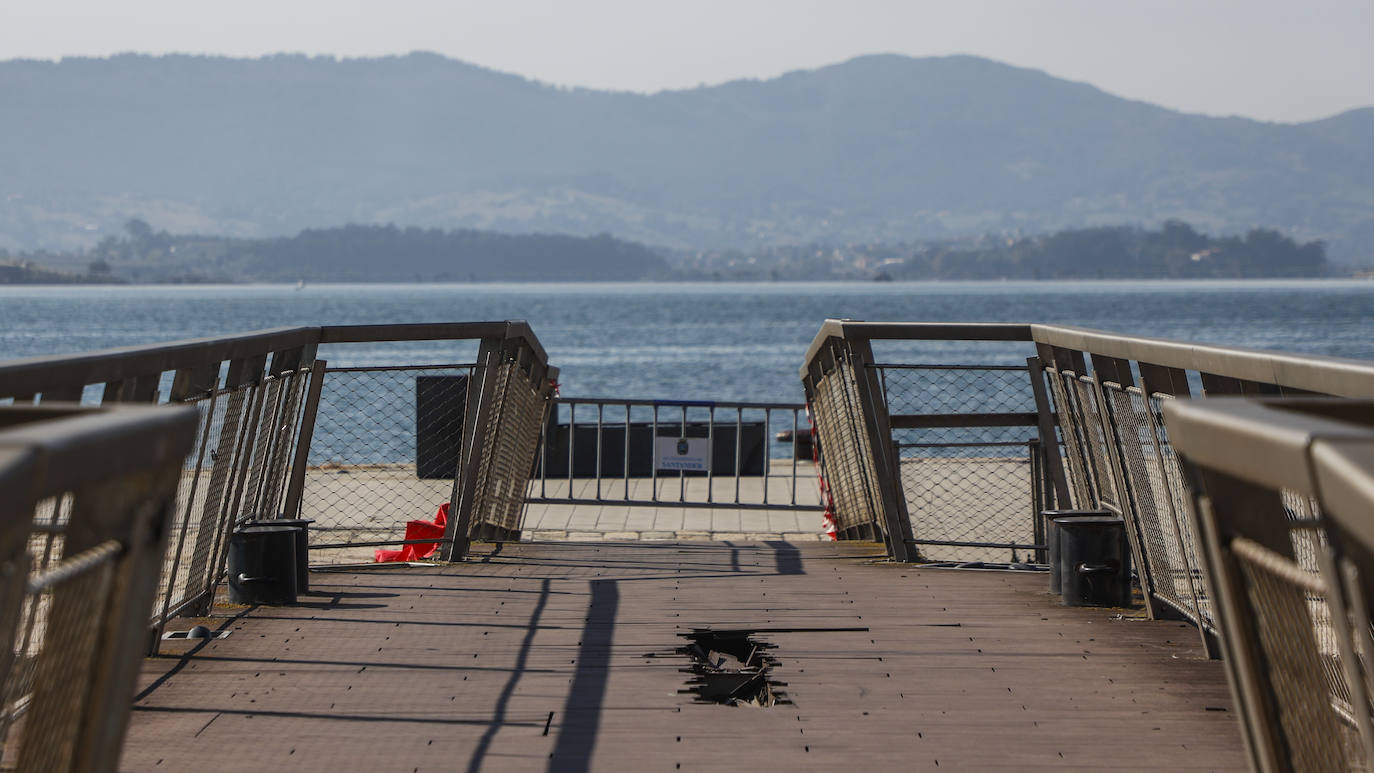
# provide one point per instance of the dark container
(1052, 539)
(1092, 562)
(302, 527)
(440, 404)
(262, 565)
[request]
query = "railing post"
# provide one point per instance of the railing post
(490, 356)
(1045, 423)
(1073, 425)
(137, 389)
(296, 487)
(66, 393)
(896, 521)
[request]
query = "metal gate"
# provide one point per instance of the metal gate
(606, 451)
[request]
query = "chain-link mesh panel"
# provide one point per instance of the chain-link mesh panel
(45, 548)
(277, 421)
(845, 452)
(276, 439)
(1151, 501)
(964, 484)
(384, 451)
(60, 651)
(1070, 433)
(948, 389)
(210, 512)
(1302, 662)
(1181, 495)
(507, 456)
(973, 492)
(76, 598)
(1309, 542)
(1305, 532)
(173, 583)
(1094, 435)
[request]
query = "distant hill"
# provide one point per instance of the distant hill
(879, 148)
(1173, 251)
(354, 253)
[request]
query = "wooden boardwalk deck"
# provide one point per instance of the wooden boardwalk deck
(559, 656)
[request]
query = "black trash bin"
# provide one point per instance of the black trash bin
(1052, 540)
(302, 527)
(262, 565)
(1092, 562)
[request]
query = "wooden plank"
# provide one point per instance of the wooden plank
(561, 656)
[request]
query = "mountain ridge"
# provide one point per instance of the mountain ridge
(880, 147)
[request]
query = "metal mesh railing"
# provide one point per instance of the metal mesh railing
(1093, 439)
(968, 501)
(385, 451)
(1282, 497)
(507, 457)
(206, 524)
(963, 435)
(1071, 423)
(948, 389)
(1158, 521)
(388, 445)
(236, 473)
(67, 604)
(1119, 458)
(1180, 494)
(845, 451)
(1298, 642)
(78, 574)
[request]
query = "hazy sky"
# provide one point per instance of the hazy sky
(1278, 60)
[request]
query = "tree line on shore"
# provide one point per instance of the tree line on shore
(352, 253)
(370, 253)
(1175, 250)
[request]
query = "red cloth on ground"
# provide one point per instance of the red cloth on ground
(418, 530)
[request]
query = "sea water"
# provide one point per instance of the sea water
(699, 341)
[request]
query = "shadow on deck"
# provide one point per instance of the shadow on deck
(561, 656)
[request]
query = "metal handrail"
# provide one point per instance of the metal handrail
(1337, 376)
(1283, 492)
(257, 394)
(1103, 394)
(75, 594)
(28, 376)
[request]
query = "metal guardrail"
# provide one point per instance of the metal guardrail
(258, 397)
(1112, 391)
(1283, 506)
(1099, 399)
(937, 460)
(968, 456)
(605, 453)
(86, 502)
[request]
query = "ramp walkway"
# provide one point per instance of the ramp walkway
(569, 656)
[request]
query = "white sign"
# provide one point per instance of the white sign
(684, 453)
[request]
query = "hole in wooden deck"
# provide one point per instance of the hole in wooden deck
(731, 668)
